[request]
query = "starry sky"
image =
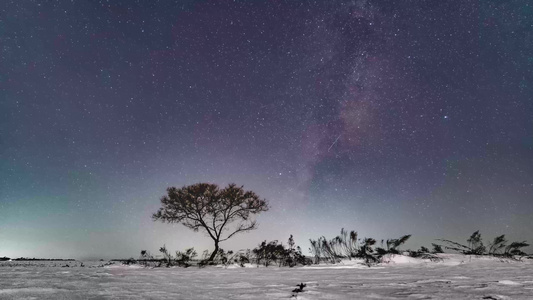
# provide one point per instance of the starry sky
(385, 117)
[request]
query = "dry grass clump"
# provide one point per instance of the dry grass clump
(498, 247)
(348, 245)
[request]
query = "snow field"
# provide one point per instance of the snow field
(456, 277)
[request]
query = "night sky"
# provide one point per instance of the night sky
(385, 117)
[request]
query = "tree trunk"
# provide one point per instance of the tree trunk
(212, 257)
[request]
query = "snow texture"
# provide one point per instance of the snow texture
(456, 277)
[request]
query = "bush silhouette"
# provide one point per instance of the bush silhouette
(475, 246)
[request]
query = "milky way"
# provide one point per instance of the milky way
(385, 117)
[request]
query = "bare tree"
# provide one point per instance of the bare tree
(222, 213)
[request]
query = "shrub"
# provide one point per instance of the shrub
(167, 257)
(423, 250)
(183, 258)
(349, 243)
(367, 253)
(267, 253)
(146, 258)
(272, 252)
(129, 261)
(393, 245)
(240, 257)
(346, 245)
(498, 244)
(342, 246)
(205, 256)
(437, 248)
(330, 249)
(316, 250)
(244, 257)
(326, 250)
(221, 257)
(293, 255)
(475, 246)
(514, 248)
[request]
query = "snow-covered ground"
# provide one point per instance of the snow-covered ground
(457, 277)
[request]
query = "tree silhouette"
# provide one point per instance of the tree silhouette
(222, 213)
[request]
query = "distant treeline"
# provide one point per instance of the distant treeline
(38, 259)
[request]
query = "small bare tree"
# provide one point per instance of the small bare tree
(222, 213)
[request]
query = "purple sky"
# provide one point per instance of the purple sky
(385, 117)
